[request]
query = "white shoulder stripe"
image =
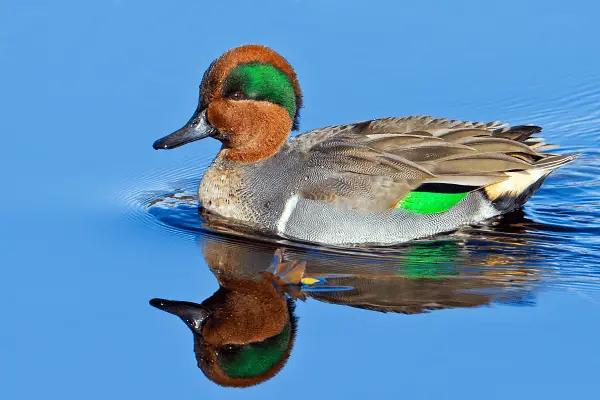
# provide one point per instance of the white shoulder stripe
(290, 205)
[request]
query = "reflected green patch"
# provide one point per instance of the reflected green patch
(427, 262)
(254, 359)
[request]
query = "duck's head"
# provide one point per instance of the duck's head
(249, 100)
(242, 336)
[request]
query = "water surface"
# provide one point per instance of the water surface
(95, 223)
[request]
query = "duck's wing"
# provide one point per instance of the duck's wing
(386, 163)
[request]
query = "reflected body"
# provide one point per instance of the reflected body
(383, 181)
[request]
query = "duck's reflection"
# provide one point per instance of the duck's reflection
(244, 332)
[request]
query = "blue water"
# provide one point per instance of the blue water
(95, 223)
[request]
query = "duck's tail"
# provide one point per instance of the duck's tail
(515, 191)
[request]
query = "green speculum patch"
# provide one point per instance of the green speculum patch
(430, 202)
(264, 82)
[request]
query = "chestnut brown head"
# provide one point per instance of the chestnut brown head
(249, 100)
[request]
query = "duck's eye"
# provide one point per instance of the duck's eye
(238, 95)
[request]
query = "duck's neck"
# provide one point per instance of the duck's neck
(248, 155)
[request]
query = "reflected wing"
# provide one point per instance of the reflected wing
(407, 296)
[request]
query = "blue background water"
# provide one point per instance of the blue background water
(87, 86)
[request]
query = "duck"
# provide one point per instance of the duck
(376, 182)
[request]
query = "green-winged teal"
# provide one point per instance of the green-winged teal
(381, 181)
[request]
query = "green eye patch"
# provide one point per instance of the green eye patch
(264, 82)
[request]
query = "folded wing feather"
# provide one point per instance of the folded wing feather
(372, 165)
